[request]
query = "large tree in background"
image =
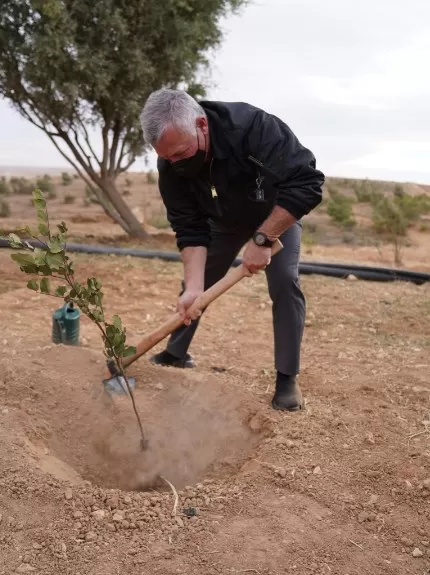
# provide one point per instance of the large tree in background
(78, 67)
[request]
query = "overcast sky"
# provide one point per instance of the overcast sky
(350, 78)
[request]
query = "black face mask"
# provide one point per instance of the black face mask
(190, 167)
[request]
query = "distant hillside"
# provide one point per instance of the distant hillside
(350, 184)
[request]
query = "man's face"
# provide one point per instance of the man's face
(175, 145)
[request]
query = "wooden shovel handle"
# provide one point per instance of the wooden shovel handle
(232, 277)
(229, 280)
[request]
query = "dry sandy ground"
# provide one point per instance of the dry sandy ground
(341, 488)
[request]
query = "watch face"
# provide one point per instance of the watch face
(259, 239)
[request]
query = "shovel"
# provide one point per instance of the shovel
(114, 382)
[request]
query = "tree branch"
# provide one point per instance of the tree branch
(121, 155)
(110, 211)
(130, 163)
(52, 135)
(105, 137)
(87, 167)
(32, 121)
(114, 146)
(61, 134)
(87, 139)
(66, 157)
(84, 152)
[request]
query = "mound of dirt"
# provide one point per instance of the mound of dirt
(74, 429)
(71, 469)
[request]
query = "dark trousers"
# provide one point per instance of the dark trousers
(284, 289)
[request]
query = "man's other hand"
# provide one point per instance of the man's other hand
(256, 258)
(185, 301)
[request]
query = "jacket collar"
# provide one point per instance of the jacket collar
(218, 141)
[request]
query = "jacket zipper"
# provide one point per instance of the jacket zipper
(256, 161)
(213, 191)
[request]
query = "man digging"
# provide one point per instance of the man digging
(230, 173)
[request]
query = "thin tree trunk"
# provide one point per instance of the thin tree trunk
(135, 228)
(397, 251)
(108, 208)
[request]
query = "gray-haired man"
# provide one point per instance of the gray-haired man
(230, 173)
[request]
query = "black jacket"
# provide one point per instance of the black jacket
(246, 143)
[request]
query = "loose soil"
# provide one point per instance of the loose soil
(340, 488)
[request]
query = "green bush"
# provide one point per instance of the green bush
(66, 179)
(376, 197)
(364, 191)
(388, 218)
(46, 186)
(390, 222)
(4, 209)
(21, 186)
(4, 187)
(413, 207)
(339, 208)
(332, 191)
(425, 203)
(69, 199)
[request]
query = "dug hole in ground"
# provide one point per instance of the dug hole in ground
(342, 487)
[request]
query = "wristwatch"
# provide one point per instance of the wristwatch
(261, 240)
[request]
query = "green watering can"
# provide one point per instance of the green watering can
(65, 325)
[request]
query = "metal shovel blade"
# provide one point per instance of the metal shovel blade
(118, 386)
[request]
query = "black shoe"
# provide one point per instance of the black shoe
(288, 396)
(167, 359)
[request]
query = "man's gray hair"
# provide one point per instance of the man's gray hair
(166, 108)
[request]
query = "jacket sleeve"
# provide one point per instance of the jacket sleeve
(291, 166)
(183, 213)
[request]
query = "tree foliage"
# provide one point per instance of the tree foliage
(5, 189)
(75, 68)
(339, 208)
(392, 217)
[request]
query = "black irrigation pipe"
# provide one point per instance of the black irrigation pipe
(306, 268)
(393, 271)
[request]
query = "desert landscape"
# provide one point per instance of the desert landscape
(340, 488)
